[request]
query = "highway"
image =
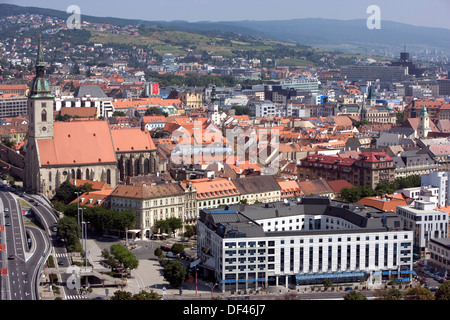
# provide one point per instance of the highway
(26, 248)
(15, 251)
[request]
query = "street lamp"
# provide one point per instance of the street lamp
(85, 240)
(212, 288)
(78, 205)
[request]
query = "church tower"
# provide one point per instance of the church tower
(40, 102)
(40, 113)
(424, 124)
(213, 107)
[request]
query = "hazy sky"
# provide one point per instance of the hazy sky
(429, 13)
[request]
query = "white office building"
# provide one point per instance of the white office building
(440, 180)
(306, 242)
(426, 222)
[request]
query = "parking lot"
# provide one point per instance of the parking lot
(430, 275)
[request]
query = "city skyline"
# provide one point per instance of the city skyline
(418, 13)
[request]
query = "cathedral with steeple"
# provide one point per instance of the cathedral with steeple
(40, 111)
(79, 149)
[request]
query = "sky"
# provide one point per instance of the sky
(428, 13)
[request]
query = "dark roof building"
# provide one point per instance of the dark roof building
(289, 242)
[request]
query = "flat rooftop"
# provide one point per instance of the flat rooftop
(243, 219)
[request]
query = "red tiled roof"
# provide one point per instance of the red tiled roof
(77, 142)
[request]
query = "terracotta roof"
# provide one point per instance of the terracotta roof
(95, 185)
(289, 188)
(77, 142)
(84, 112)
(94, 198)
(317, 186)
(124, 103)
(214, 188)
(388, 203)
(374, 157)
(13, 87)
(132, 139)
(154, 119)
(338, 185)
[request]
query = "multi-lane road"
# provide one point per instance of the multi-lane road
(24, 248)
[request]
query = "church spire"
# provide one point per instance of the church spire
(40, 87)
(40, 55)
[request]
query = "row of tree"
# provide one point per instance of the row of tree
(413, 293)
(354, 194)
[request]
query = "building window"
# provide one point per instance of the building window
(44, 116)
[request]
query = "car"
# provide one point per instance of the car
(60, 263)
(8, 224)
(98, 298)
(22, 194)
(6, 209)
(432, 289)
(54, 229)
(11, 257)
(7, 215)
(31, 200)
(36, 204)
(170, 254)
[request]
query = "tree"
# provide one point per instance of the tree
(175, 223)
(418, 293)
(162, 225)
(175, 273)
(8, 142)
(118, 114)
(190, 231)
(66, 191)
(69, 229)
(177, 248)
(144, 295)
(443, 292)
(154, 111)
(389, 294)
(124, 257)
(159, 253)
(121, 295)
(352, 194)
(355, 295)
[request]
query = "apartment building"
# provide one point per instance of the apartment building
(214, 193)
(368, 169)
(155, 202)
(258, 189)
(305, 242)
(13, 105)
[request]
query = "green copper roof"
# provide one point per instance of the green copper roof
(40, 87)
(424, 112)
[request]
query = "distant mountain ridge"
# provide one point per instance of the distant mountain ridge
(344, 35)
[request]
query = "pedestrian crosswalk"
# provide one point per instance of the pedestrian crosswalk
(76, 297)
(62, 255)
